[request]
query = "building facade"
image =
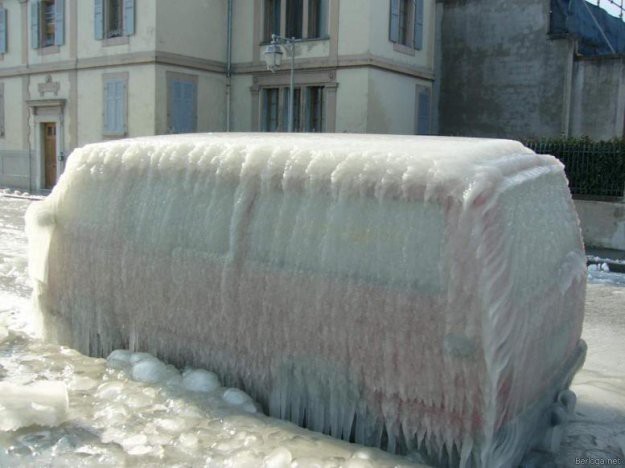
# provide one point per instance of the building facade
(531, 69)
(74, 72)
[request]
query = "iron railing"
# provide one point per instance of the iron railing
(594, 169)
(616, 5)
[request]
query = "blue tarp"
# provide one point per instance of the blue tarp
(586, 22)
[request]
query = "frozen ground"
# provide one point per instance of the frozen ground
(115, 420)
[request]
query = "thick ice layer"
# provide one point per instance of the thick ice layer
(42, 403)
(401, 292)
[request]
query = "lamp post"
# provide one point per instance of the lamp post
(273, 59)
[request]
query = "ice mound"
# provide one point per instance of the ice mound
(44, 403)
(409, 293)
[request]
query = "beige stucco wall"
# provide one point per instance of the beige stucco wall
(603, 223)
(141, 92)
(351, 100)
(211, 89)
(14, 114)
(13, 57)
(143, 40)
(197, 30)
(354, 20)
(242, 31)
(241, 103)
(392, 102)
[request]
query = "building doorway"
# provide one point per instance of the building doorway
(49, 154)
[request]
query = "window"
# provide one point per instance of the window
(302, 19)
(423, 116)
(1, 110)
(115, 105)
(308, 109)
(296, 109)
(406, 23)
(3, 30)
(270, 110)
(317, 18)
(114, 18)
(182, 103)
(47, 22)
(314, 109)
(294, 18)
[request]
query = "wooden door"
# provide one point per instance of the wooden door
(49, 152)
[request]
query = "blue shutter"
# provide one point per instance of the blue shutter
(115, 107)
(98, 19)
(129, 17)
(423, 117)
(191, 106)
(418, 25)
(393, 32)
(59, 22)
(35, 15)
(3, 30)
(183, 110)
(120, 106)
(109, 104)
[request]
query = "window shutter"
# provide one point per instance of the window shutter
(3, 30)
(192, 95)
(59, 22)
(393, 33)
(121, 106)
(176, 104)
(109, 104)
(115, 107)
(418, 25)
(98, 19)
(423, 117)
(129, 17)
(35, 15)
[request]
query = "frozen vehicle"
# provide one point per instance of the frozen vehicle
(411, 293)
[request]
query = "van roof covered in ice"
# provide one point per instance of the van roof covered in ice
(335, 162)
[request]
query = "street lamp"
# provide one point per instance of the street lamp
(273, 59)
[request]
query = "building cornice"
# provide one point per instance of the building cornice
(167, 58)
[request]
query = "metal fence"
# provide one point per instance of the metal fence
(595, 170)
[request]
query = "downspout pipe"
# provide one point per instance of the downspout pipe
(229, 66)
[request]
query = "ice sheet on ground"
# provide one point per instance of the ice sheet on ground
(42, 403)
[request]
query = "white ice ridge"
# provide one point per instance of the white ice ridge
(404, 292)
(43, 403)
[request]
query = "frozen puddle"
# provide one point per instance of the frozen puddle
(132, 409)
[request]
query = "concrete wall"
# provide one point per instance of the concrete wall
(502, 75)
(603, 223)
(598, 98)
